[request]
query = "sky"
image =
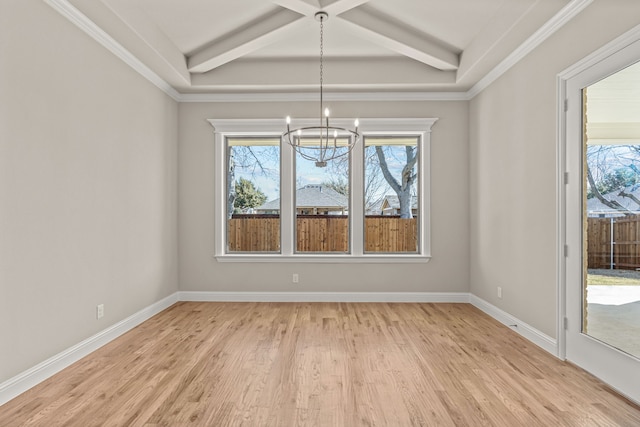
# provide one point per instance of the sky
(265, 172)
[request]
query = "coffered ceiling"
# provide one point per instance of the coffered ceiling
(272, 46)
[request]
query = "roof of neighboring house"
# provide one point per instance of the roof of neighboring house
(392, 201)
(312, 196)
(595, 206)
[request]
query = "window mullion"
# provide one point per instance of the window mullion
(356, 202)
(287, 198)
(220, 218)
(424, 188)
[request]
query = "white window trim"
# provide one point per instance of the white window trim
(224, 128)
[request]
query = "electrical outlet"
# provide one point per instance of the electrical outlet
(295, 278)
(499, 292)
(100, 311)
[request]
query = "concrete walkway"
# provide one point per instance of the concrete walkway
(612, 295)
(613, 316)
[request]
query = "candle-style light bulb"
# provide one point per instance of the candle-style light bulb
(288, 120)
(357, 123)
(326, 124)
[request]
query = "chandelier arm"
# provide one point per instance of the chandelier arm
(322, 128)
(314, 159)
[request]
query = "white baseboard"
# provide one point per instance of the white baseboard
(30, 378)
(532, 334)
(453, 297)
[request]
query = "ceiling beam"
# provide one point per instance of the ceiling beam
(342, 6)
(333, 9)
(371, 26)
(299, 6)
(249, 38)
(382, 73)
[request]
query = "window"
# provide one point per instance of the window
(252, 195)
(273, 205)
(391, 194)
(322, 205)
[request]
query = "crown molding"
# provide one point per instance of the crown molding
(551, 26)
(93, 30)
(615, 45)
(313, 96)
(70, 12)
(367, 124)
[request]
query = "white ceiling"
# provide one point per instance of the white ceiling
(262, 46)
(613, 108)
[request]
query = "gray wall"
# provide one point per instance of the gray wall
(99, 203)
(513, 168)
(448, 270)
(88, 177)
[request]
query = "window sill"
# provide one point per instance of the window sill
(338, 259)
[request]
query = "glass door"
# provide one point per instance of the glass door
(603, 225)
(611, 151)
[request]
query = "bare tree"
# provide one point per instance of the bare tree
(403, 187)
(610, 203)
(374, 182)
(607, 161)
(252, 160)
(231, 182)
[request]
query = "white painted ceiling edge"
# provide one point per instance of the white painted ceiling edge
(565, 15)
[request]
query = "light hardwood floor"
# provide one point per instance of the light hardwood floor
(320, 364)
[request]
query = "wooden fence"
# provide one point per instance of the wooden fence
(321, 233)
(390, 234)
(253, 233)
(620, 250)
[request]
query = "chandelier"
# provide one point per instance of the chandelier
(324, 142)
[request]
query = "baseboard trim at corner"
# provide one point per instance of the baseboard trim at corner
(452, 297)
(30, 378)
(17, 385)
(527, 331)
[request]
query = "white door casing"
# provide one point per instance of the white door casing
(618, 369)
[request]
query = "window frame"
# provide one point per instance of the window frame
(421, 128)
(418, 184)
(227, 149)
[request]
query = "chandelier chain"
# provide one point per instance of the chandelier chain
(327, 147)
(321, 66)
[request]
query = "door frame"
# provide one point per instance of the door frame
(607, 60)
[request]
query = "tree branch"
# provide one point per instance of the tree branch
(408, 177)
(385, 170)
(623, 193)
(610, 203)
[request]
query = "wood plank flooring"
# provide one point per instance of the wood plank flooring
(320, 364)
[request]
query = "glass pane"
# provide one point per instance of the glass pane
(611, 297)
(322, 198)
(391, 196)
(253, 195)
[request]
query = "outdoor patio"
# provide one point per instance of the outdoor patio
(613, 312)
